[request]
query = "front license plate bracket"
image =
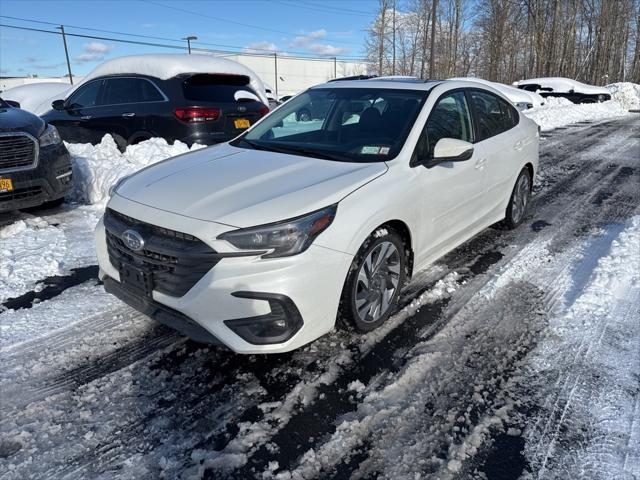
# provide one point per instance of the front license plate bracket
(137, 279)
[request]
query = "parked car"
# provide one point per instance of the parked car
(572, 90)
(522, 99)
(35, 168)
(272, 97)
(264, 243)
(36, 97)
(191, 98)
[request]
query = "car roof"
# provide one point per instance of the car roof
(398, 83)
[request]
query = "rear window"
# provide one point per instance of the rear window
(215, 88)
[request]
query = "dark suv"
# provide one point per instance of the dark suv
(192, 108)
(35, 167)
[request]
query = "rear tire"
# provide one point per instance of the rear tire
(375, 279)
(519, 201)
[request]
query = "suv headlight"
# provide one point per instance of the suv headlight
(285, 238)
(50, 136)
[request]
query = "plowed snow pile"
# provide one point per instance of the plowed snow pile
(558, 112)
(96, 168)
(626, 94)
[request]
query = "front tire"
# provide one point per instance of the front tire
(519, 201)
(372, 288)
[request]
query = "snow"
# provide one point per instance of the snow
(626, 94)
(37, 97)
(515, 95)
(97, 168)
(169, 65)
(558, 112)
(565, 85)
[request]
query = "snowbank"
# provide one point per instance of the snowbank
(37, 97)
(626, 94)
(558, 112)
(96, 168)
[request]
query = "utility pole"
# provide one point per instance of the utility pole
(393, 67)
(66, 52)
(189, 39)
(275, 65)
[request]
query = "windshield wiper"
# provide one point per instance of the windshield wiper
(307, 152)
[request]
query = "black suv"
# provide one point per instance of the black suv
(35, 167)
(192, 108)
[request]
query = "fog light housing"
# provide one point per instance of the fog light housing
(278, 326)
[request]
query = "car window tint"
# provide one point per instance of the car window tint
(449, 118)
(130, 90)
(86, 95)
(216, 88)
(494, 114)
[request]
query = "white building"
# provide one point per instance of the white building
(290, 75)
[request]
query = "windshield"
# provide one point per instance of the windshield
(343, 124)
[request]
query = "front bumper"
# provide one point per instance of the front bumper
(303, 291)
(50, 180)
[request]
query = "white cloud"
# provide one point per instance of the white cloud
(302, 41)
(261, 47)
(94, 52)
(325, 49)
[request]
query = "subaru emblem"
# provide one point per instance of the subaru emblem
(133, 240)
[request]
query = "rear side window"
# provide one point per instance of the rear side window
(494, 114)
(215, 88)
(86, 95)
(130, 90)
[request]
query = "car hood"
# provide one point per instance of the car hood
(17, 120)
(242, 188)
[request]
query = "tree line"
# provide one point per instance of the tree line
(593, 41)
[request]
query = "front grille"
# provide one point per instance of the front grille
(175, 260)
(18, 151)
(21, 194)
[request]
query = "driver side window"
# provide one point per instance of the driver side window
(449, 118)
(86, 96)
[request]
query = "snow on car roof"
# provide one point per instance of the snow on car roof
(169, 65)
(565, 85)
(514, 94)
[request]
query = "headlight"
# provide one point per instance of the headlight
(50, 136)
(114, 188)
(285, 238)
(524, 105)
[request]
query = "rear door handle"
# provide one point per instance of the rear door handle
(85, 117)
(480, 163)
(129, 114)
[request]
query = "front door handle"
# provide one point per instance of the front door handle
(129, 114)
(480, 163)
(85, 117)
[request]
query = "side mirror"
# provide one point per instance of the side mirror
(13, 103)
(450, 150)
(58, 105)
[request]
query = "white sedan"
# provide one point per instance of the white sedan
(269, 241)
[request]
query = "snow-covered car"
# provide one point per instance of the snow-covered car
(262, 243)
(191, 98)
(522, 99)
(572, 90)
(35, 168)
(36, 97)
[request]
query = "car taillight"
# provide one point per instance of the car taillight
(197, 114)
(263, 110)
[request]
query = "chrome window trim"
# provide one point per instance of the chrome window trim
(36, 155)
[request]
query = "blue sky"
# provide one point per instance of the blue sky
(325, 27)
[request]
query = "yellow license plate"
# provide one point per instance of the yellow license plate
(6, 185)
(241, 123)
